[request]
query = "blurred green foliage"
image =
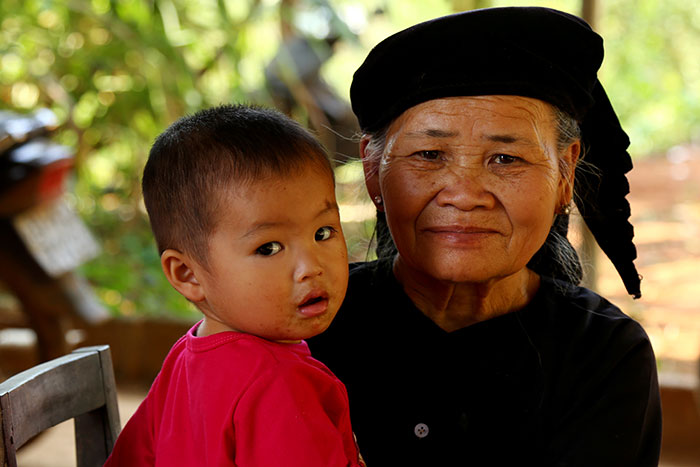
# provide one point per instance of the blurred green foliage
(652, 71)
(117, 72)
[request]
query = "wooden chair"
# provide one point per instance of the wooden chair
(79, 385)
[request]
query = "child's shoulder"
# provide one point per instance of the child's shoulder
(241, 350)
(273, 353)
(225, 353)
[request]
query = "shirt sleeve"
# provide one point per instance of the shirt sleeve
(294, 415)
(134, 444)
(614, 418)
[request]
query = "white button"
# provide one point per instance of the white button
(421, 430)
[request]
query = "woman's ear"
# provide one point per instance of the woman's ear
(571, 157)
(370, 165)
(181, 275)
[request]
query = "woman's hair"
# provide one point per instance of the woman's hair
(199, 157)
(557, 257)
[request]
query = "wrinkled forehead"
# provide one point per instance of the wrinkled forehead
(492, 117)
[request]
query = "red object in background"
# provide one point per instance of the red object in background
(52, 180)
(31, 174)
(42, 239)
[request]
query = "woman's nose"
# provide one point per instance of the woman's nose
(465, 188)
(307, 267)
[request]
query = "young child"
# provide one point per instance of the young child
(242, 205)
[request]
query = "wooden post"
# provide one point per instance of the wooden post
(589, 9)
(589, 248)
(466, 5)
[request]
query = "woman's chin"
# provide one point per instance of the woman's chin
(459, 265)
(458, 270)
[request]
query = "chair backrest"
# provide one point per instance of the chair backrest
(79, 385)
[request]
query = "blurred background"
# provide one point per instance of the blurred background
(115, 73)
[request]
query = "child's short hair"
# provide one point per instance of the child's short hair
(198, 156)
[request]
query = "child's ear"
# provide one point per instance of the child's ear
(181, 276)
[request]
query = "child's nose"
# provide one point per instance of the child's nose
(308, 266)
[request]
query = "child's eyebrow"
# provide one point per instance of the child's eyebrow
(330, 206)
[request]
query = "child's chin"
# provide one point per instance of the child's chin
(315, 331)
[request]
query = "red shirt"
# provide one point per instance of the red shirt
(236, 399)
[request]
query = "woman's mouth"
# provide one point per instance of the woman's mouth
(460, 229)
(461, 235)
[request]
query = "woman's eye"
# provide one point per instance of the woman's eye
(324, 233)
(504, 159)
(429, 155)
(269, 249)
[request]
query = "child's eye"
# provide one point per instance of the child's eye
(269, 249)
(324, 233)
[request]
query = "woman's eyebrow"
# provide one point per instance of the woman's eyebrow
(432, 132)
(509, 139)
(439, 133)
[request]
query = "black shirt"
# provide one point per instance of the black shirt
(567, 380)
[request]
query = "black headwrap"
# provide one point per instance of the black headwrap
(526, 51)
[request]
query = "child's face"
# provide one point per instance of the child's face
(277, 260)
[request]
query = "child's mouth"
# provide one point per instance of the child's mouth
(314, 304)
(312, 301)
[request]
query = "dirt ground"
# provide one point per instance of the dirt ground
(665, 200)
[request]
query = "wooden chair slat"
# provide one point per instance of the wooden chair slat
(80, 385)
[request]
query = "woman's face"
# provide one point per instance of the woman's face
(470, 185)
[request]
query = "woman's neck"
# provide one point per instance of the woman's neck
(454, 306)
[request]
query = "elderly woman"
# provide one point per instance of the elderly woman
(469, 341)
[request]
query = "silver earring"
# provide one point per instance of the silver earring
(378, 199)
